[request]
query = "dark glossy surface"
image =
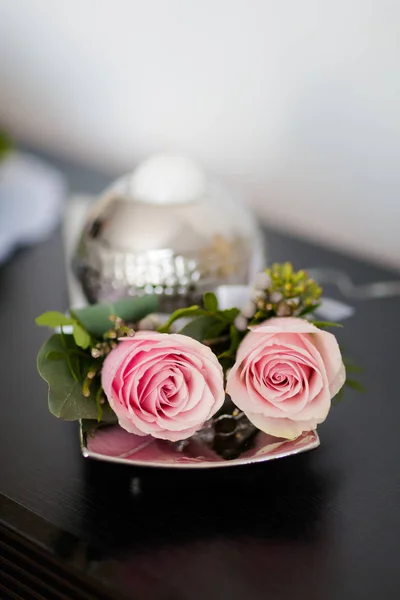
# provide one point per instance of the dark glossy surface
(320, 525)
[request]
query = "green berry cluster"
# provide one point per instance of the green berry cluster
(281, 291)
(119, 329)
(100, 350)
(293, 284)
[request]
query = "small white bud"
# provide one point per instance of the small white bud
(149, 323)
(275, 297)
(262, 281)
(258, 295)
(248, 310)
(241, 323)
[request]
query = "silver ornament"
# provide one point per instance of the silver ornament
(166, 229)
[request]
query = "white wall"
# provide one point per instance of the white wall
(297, 101)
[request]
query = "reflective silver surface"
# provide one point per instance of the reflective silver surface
(114, 444)
(132, 246)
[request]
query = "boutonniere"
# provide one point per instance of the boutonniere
(269, 362)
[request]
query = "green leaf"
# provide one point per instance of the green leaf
(215, 330)
(325, 324)
(81, 336)
(95, 318)
(73, 354)
(309, 309)
(73, 367)
(53, 355)
(235, 341)
(355, 385)
(190, 311)
(229, 314)
(53, 319)
(210, 302)
(198, 328)
(65, 394)
(224, 316)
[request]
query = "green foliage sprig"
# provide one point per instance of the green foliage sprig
(71, 363)
(211, 326)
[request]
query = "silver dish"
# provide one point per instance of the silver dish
(114, 444)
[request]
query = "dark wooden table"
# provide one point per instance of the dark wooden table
(321, 525)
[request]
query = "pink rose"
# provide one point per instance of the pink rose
(285, 375)
(163, 385)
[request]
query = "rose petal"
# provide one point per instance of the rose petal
(282, 428)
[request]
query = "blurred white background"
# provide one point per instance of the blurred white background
(297, 102)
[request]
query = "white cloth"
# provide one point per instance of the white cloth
(31, 196)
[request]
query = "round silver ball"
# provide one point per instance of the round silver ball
(166, 229)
